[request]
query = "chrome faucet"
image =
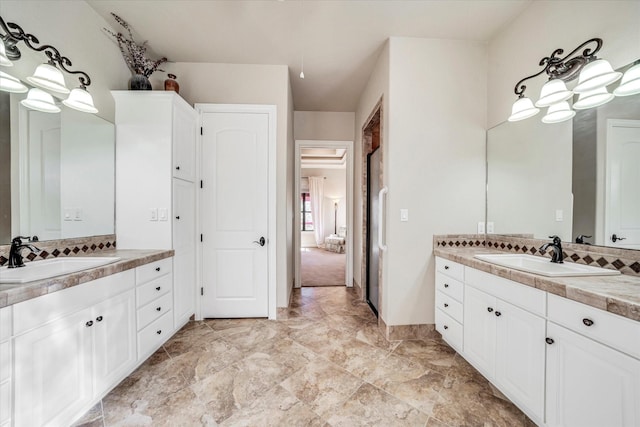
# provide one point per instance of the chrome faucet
(557, 256)
(15, 253)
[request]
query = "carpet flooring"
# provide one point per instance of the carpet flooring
(322, 268)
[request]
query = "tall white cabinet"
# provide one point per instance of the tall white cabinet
(155, 184)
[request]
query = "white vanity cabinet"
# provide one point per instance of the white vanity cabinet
(505, 341)
(6, 351)
(70, 347)
(590, 381)
(449, 300)
(155, 184)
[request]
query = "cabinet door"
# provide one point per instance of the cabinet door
(53, 380)
(114, 339)
(589, 384)
(184, 144)
(480, 330)
(184, 245)
(520, 356)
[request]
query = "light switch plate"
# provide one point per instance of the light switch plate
(404, 215)
(68, 214)
(153, 214)
(559, 215)
(481, 227)
(77, 214)
(490, 227)
(163, 214)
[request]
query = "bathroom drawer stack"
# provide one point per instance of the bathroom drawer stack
(154, 301)
(450, 301)
(5, 366)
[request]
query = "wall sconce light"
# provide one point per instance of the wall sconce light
(47, 76)
(594, 75)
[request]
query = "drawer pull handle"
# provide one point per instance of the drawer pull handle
(157, 268)
(587, 322)
(89, 324)
(446, 327)
(99, 319)
(498, 314)
(446, 285)
(446, 305)
(158, 308)
(158, 288)
(549, 341)
(159, 331)
(490, 310)
(446, 267)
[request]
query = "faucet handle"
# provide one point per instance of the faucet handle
(556, 239)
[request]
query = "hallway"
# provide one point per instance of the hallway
(324, 364)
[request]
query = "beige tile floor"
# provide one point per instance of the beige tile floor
(326, 364)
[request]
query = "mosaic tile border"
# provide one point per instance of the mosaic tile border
(65, 247)
(624, 260)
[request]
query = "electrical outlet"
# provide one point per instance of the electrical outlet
(481, 227)
(153, 214)
(490, 229)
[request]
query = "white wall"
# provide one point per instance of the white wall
(435, 164)
(253, 84)
(323, 125)
(335, 187)
(544, 26)
(76, 30)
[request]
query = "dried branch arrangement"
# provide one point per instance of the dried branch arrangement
(134, 53)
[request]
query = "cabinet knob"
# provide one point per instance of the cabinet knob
(549, 341)
(446, 267)
(178, 217)
(446, 285)
(157, 268)
(99, 319)
(89, 324)
(446, 327)
(490, 310)
(158, 288)
(177, 168)
(158, 308)
(159, 331)
(498, 314)
(446, 305)
(587, 322)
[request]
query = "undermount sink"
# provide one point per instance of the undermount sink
(51, 267)
(542, 266)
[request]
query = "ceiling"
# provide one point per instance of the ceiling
(324, 158)
(339, 40)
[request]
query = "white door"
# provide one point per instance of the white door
(589, 384)
(234, 203)
(44, 176)
(480, 330)
(622, 215)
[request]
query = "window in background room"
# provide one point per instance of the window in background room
(305, 209)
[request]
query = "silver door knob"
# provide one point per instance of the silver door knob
(261, 242)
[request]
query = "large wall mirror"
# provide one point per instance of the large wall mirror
(579, 177)
(56, 170)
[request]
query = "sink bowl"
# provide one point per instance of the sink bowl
(51, 267)
(542, 266)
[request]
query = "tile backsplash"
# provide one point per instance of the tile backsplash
(64, 247)
(625, 260)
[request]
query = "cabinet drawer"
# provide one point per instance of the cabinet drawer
(449, 306)
(5, 401)
(152, 290)
(450, 287)
(616, 331)
(154, 309)
(523, 296)
(5, 361)
(450, 268)
(150, 338)
(150, 271)
(5, 323)
(450, 329)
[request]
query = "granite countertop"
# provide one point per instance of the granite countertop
(616, 294)
(129, 258)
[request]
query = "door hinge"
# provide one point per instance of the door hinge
(201, 184)
(201, 291)
(201, 239)
(201, 131)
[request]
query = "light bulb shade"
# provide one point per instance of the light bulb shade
(593, 98)
(522, 109)
(8, 83)
(48, 77)
(80, 100)
(39, 100)
(596, 74)
(4, 60)
(558, 113)
(552, 92)
(630, 83)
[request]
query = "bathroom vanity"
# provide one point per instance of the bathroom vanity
(565, 350)
(65, 342)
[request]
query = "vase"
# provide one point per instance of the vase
(171, 83)
(139, 82)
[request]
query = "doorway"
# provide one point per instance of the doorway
(323, 213)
